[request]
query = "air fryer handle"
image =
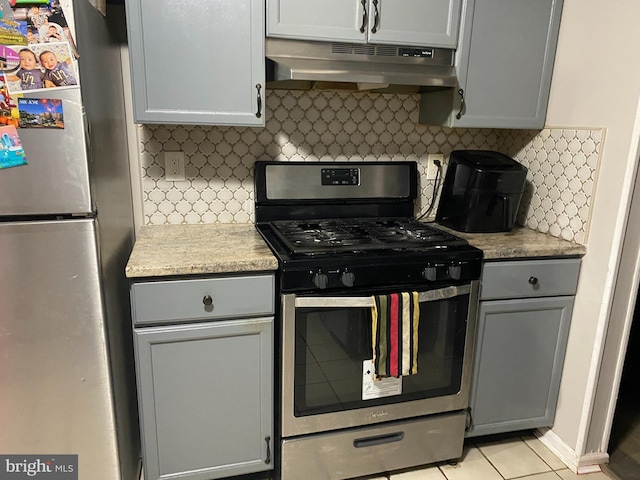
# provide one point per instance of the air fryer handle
(507, 211)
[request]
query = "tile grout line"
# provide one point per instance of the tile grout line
(488, 460)
(535, 474)
(551, 470)
(540, 457)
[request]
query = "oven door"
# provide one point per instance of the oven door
(326, 361)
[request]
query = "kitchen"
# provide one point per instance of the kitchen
(582, 108)
(583, 104)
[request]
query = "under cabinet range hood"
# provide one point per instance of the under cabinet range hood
(303, 65)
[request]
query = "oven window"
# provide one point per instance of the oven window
(333, 343)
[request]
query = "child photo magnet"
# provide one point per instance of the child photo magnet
(45, 23)
(42, 66)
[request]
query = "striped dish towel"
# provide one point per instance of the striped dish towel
(395, 334)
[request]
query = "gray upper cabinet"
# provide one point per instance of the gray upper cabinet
(504, 64)
(431, 23)
(197, 61)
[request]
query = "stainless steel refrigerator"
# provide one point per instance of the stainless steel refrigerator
(66, 229)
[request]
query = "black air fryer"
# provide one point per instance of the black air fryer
(481, 192)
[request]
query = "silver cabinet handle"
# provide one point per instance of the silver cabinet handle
(259, 112)
(268, 440)
(459, 114)
(533, 280)
(207, 300)
(359, 302)
(376, 17)
(364, 15)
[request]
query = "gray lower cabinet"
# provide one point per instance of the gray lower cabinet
(504, 64)
(205, 388)
(523, 325)
(197, 62)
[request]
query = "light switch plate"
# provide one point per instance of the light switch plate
(174, 166)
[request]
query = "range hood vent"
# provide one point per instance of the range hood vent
(295, 64)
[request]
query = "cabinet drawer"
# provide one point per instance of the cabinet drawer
(364, 451)
(181, 300)
(529, 278)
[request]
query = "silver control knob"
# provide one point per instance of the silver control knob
(347, 279)
(430, 273)
(320, 280)
(455, 271)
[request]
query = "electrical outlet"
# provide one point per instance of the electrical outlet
(174, 166)
(432, 168)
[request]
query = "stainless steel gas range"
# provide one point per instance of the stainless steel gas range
(344, 235)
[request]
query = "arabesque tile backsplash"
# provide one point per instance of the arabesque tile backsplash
(337, 126)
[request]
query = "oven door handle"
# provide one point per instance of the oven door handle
(359, 302)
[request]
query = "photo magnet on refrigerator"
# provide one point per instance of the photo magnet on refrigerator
(11, 151)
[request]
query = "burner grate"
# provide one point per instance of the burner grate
(347, 235)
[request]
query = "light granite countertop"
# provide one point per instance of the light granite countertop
(521, 242)
(174, 250)
(167, 250)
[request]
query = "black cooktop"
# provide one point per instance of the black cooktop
(314, 237)
(335, 254)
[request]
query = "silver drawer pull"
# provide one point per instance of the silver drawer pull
(378, 440)
(533, 280)
(207, 300)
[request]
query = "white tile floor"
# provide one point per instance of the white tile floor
(522, 458)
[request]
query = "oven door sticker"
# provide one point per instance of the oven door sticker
(385, 387)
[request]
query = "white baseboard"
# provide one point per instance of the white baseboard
(588, 463)
(591, 462)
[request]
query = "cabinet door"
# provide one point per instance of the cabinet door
(504, 65)
(338, 20)
(432, 23)
(518, 363)
(197, 61)
(205, 396)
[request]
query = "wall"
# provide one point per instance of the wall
(596, 82)
(325, 126)
(562, 168)
(331, 126)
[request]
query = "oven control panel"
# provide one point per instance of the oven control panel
(340, 176)
(420, 273)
